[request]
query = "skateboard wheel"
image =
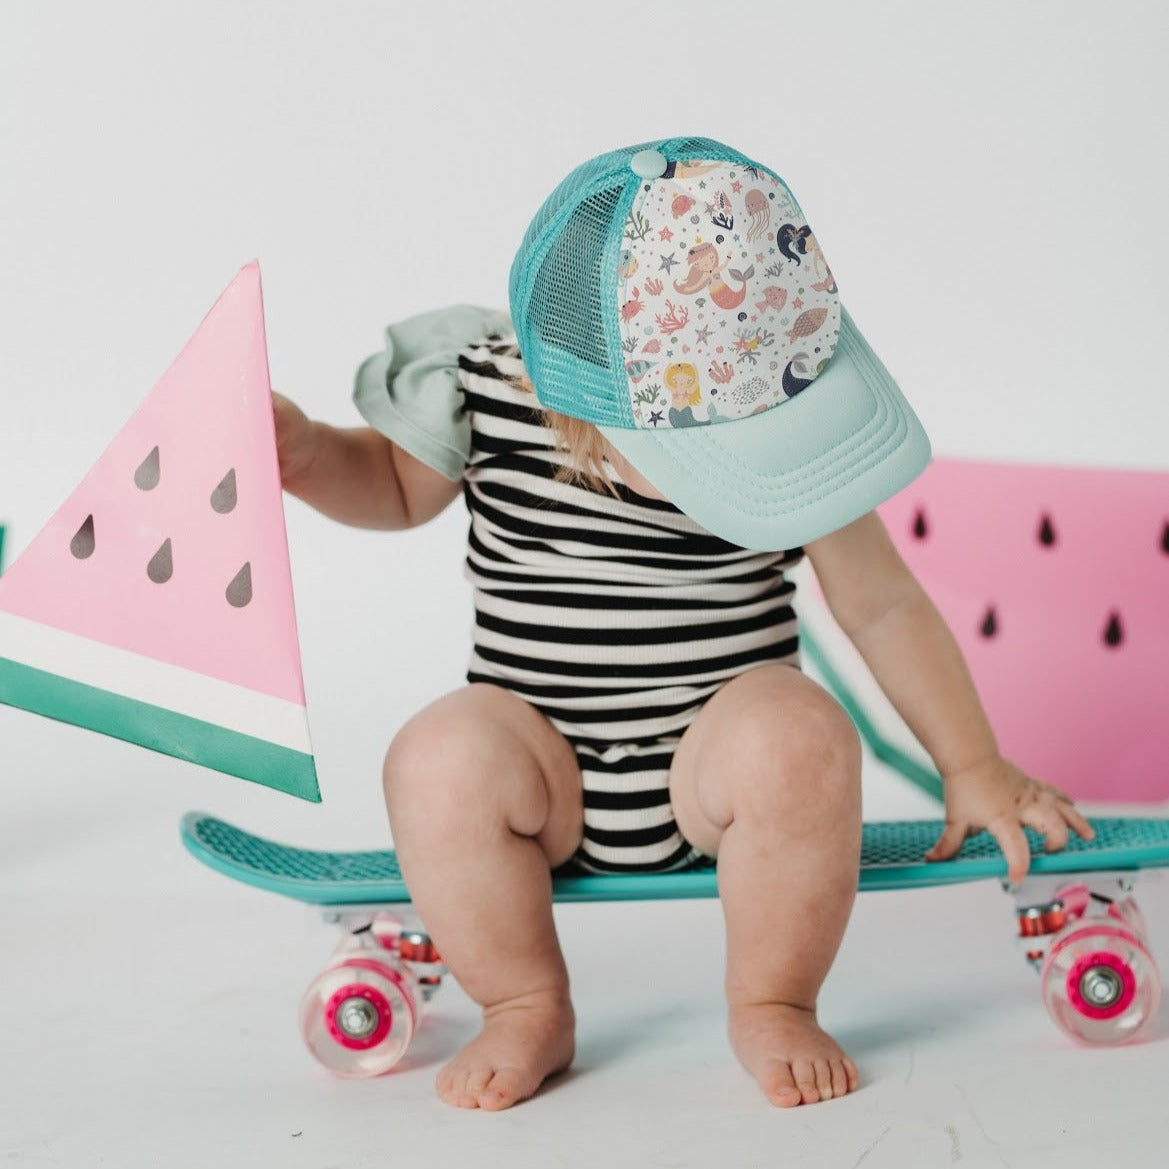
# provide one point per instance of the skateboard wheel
(358, 1016)
(1100, 984)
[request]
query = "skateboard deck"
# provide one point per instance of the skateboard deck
(891, 858)
(1083, 932)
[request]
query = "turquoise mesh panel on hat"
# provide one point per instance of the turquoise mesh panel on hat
(564, 278)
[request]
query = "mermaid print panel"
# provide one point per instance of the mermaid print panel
(726, 304)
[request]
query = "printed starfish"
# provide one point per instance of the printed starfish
(702, 336)
(655, 417)
(667, 262)
(665, 235)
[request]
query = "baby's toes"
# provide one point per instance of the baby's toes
(824, 1086)
(449, 1085)
(842, 1083)
(459, 1086)
(804, 1074)
(507, 1086)
(477, 1079)
(779, 1085)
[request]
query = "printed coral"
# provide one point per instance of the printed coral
(674, 319)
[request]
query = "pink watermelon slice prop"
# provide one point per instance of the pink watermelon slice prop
(1055, 581)
(156, 605)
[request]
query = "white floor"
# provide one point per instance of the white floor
(147, 1018)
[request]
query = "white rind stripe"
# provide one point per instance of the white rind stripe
(120, 671)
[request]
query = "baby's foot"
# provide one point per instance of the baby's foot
(523, 1042)
(784, 1048)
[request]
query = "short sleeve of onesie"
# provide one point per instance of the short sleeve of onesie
(410, 391)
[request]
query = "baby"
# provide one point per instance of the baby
(634, 698)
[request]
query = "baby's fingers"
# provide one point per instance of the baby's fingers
(1012, 840)
(949, 842)
(1053, 814)
(1044, 816)
(1072, 816)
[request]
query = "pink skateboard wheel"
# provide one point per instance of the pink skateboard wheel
(1100, 983)
(358, 1016)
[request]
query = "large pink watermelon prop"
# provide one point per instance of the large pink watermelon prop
(1055, 582)
(156, 605)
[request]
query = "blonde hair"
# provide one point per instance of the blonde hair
(581, 441)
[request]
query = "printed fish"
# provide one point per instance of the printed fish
(638, 369)
(773, 298)
(807, 323)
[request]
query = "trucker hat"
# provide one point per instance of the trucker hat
(673, 294)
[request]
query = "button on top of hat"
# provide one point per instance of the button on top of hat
(648, 164)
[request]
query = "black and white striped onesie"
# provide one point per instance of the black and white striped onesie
(617, 618)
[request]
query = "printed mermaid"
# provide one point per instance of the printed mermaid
(704, 274)
(681, 380)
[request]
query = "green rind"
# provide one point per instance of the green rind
(890, 859)
(159, 729)
(919, 775)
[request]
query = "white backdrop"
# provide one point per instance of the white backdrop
(989, 182)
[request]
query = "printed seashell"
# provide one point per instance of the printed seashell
(680, 205)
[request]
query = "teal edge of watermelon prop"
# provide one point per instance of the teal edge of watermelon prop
(156, 605)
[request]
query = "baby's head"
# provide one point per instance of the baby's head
(663, 328)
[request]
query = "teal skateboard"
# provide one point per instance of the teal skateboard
(1079, 924)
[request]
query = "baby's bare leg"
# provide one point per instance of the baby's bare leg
(768, 778)
(484, 796)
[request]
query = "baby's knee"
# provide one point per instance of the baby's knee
(801, 724)
(803, 754)
(435, 759)
(479, 756)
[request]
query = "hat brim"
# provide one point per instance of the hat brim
(798, 471)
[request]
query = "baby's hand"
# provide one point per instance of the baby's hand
(295, 438)
(997, 796)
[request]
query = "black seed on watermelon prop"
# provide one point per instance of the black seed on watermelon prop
(239, 592)
(225, 497)
(1165, 540)
(162, 564)
(149, 471)
(83, 542)
(1046, 532)
(990, 623)
(920, 529)
(1114, 634)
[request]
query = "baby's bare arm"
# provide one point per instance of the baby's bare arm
(903, 639)
(356, 476)
(916, 661)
